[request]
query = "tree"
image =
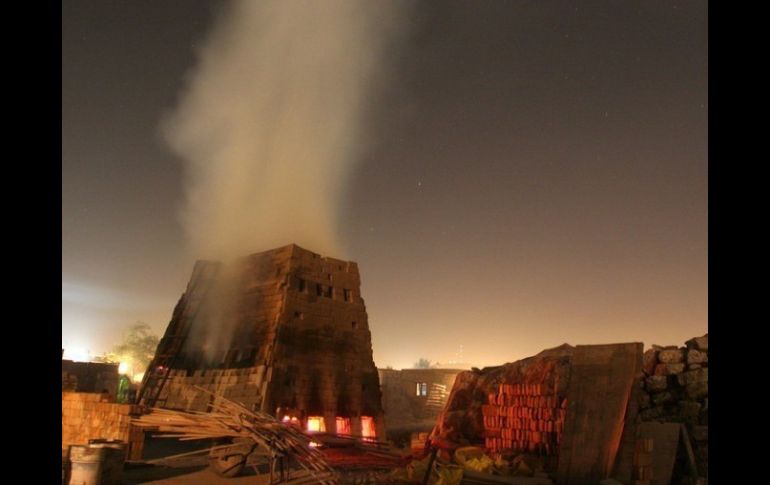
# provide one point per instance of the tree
(136, 350)
(423, 363)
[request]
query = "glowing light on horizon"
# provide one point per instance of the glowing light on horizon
(77, 354)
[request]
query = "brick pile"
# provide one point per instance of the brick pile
(87, 416)
(675, 389)
(524, 417)
(511, 409)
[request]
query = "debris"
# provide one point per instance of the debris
(230, 419)
(698, 343)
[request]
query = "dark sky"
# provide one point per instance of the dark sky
(537, 175)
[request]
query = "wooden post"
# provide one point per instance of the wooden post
(690, 455)
(433, 454)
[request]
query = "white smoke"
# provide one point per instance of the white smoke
(273, 119)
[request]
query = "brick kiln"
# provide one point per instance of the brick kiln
(283, 331)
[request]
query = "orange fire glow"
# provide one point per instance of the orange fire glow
(343, 425)
(292, 420)
(367, 427)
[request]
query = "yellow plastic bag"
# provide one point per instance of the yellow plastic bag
(473, 458)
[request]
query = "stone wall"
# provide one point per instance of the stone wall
(88, 416)
(675, 389)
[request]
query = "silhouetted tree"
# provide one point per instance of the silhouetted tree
(137, 348)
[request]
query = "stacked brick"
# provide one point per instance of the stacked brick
(675, 389)
(524, 417)
(513, 410)
(86, 416)
(241, 385)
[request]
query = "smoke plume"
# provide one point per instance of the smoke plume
(272, 120)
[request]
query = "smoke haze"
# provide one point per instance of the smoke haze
(272, 120)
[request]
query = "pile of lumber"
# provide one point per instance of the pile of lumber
(524, 417)
(230, 419)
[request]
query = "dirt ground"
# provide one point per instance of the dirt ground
(193, 469)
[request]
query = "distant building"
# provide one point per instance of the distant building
(90, 377)
(413, 398)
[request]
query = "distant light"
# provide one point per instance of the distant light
(123, 368)
(77, 354)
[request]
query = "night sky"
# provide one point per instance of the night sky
(536, 173)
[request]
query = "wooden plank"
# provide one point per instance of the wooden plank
(624, 462)
(601, 380)
(691, 464)
(665, 443)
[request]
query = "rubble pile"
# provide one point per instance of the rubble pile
(675, 389)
